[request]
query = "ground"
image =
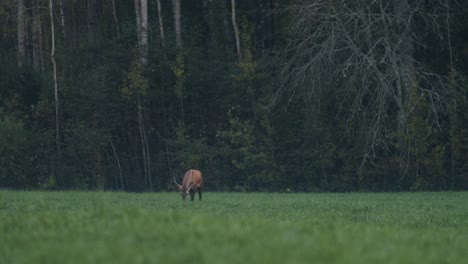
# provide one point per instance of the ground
(116, 227)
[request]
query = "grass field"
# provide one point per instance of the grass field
(109, 227)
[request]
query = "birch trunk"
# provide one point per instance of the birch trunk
(236, 30)
(177, 23)
(138, 20)
(144, 32)
(160, 18)
(54, 71)
(141, 12)
(116, 20)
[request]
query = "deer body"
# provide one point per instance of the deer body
(192, 182)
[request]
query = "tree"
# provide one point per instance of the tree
(92, 21)
(141, 10)
(56, 94)
(367, 94)
(160, 19)
(38, 58)
(236, 30)
(21, 32)
(176, 5)
(144, 32)
(116, 20)
(365, 52)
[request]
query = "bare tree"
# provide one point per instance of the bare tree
(364, 52)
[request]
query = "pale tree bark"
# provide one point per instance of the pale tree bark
(236, 30)
(137, 4)
(177, 22)
(21, 32)
(116, 20)
(141, 12)
(56, 95)
(452, 81)
(144, 145)
(141, 15)
(161, 26)
(144, 32)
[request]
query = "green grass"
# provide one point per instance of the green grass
(106, 227)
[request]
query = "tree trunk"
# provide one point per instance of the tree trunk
(116, 20)
(236, 30)
(144, 146)
(160, 18)
(405, 66)
(62, 20)
(54, 71)
(117, 161)
(137, 4)
(91, 21)
(21, 32)
(144, 32)
(226, 25)
(268, 24)
(141, 12)
(74, 22)
(177, 23)
(38, 60)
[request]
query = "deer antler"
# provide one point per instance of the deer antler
(178, 185)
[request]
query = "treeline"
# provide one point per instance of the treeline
(262, 95)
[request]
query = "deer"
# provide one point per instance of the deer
(193, 181)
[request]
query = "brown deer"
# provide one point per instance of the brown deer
(193, 181)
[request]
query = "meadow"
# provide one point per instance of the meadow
(117, 227)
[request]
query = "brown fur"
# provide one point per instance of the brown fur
(192, 182)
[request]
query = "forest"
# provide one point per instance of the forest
(259, 95)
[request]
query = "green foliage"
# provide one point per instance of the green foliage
(91, 227)
(180, 75)
(17, 156)
(249, 156)
(135, 82)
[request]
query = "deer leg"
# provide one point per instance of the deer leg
(199, 194)
(192, 195)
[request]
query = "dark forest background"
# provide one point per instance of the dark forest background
(260, 95)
